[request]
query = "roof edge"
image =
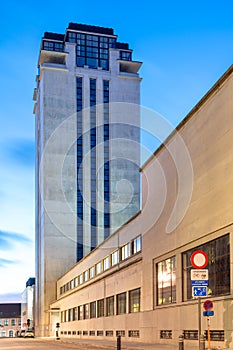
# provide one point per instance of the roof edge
(207, 95)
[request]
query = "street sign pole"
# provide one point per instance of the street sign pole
(199, 277)
(208, 330)
(199, 322)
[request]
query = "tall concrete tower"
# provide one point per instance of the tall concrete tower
(88, 134)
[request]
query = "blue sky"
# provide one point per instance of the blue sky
(185, 47)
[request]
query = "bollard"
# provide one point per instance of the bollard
(118, 342)
(202, 342)
(181, 342)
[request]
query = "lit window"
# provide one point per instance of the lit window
(86, 311)
(166, 281)
(134, 300)
(80, 312)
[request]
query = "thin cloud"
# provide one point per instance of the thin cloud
(7, 238)
(6, 262)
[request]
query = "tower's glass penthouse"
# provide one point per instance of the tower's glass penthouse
(87, 129)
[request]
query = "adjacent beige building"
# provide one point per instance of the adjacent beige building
(137, 283)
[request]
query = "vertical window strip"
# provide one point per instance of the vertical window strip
(79, 96)
(106, 160)
(93, 161)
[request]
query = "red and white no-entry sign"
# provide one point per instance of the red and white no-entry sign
(199, 259)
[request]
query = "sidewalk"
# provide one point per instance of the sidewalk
(125, 345)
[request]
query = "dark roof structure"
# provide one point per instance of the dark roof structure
(89, 28)
(54, 36)
(11, 310)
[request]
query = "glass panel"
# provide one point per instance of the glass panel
(121, 303)
(166, 281)
(110, 306)
(100, 308)
(107, 263)
(134, 300)
(218, 252)
(125, 251)
(115, 257)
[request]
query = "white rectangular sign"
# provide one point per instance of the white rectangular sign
(199, 275)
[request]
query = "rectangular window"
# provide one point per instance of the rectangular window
(107, 263)
(121, 303)
(13, 322)
(93, 309)
(92, 272)
(115, 257)
(81, 279)
(134, 300)
(137, 245)
(110, 306)
(99, 267)
(125, 251)
(6, 322)
(75, 314)
(134, 333)
(166, 334)
(76, 281)
(166, 281)
(100, 308)
(70, 314)
(218, 252)
(109, 333)
(121, 333)
(80, 312)
(86, 276)
(86, 311)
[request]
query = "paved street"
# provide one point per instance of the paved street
(62, 344)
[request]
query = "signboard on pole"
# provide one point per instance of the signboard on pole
(199, 291)
(199, 283)
(208, 305)
(199, 275)
(199, 259)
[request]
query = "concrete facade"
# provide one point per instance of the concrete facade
(28, 304)
(187, 205)
(79, 202)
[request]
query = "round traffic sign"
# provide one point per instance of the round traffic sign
(199, 259)
(208, 305)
